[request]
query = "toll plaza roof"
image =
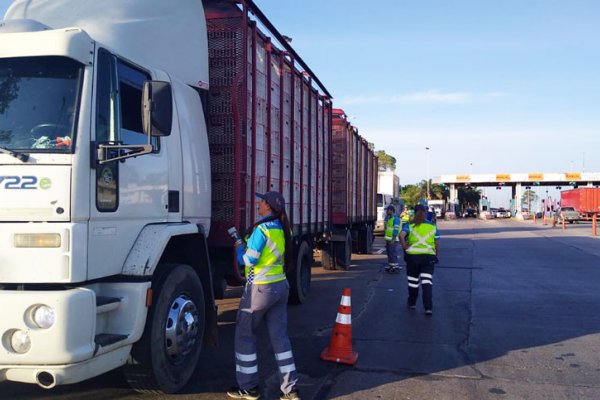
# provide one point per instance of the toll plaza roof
(535, 178)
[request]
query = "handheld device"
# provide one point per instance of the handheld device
(234, 235)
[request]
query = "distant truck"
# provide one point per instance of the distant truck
(439, 206)
(586, 201)
(388, 192)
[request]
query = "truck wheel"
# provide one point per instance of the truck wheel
(299, 278)
(327, 256)
(365, 240)
(219, 287)
(343, 252)
(166, 356)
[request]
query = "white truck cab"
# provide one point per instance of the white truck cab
(101, 200)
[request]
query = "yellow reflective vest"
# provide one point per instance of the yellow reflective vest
(421, 238)
(266, 266)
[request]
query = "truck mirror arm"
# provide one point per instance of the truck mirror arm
(125, 151)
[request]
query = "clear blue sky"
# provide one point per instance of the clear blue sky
(509, 86)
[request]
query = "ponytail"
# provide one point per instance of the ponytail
(287, 234)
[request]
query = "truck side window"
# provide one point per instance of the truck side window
(119, 102)
(131, 81)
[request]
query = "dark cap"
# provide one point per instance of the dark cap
(391, 208)
(274, 200)
(420, 207)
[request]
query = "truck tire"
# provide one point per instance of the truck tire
(299, 278)
(365, 240)
(343, 252)
(167, 354)
(327, 257)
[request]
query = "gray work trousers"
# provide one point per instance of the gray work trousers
(393, 248)
(266, 302)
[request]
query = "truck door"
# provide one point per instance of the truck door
(126, 195)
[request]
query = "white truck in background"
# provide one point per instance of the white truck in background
(439, 206)
(388, 192)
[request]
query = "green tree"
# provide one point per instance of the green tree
(438, 191)
(386, 161)
(469, 196)
(529, 197)
(411, 194)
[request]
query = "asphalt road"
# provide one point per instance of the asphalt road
(515, 317)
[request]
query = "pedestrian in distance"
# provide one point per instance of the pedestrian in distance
(431, 216)
(405, 216)
(266, 256)
(392, 229)
(420, 240)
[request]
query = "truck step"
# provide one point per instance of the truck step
(106, 339)
(106, 304)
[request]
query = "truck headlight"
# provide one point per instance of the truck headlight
(20, 342)
(44, 316)
(37, 240)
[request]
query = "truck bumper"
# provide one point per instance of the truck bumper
(69, 339)
(48, 376)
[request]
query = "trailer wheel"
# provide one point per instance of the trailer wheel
(343, 252)
(167, 354)
(365, 240)
(299, 278)
(327, 256)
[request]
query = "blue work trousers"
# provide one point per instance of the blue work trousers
(265, 302)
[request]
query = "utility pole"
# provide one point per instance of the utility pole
(427, 151)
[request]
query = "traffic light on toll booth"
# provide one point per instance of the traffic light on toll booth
(528, 187)
(558, 187)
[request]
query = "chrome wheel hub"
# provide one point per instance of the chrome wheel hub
(181, 328)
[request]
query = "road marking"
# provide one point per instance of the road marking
(380, 251)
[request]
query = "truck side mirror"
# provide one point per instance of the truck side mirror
(157, 108)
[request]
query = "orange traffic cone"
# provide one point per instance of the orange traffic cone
(340, 346)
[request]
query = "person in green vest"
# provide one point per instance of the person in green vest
(405, 216)
(265, 257)
(420, 240)
(392, 229)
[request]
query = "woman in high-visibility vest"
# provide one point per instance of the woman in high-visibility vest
(420, 240)
(392, 229)
(405, 216)
(265, 256)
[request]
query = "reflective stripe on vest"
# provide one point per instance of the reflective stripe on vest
(389, 228)
(269, 267)
(421, 239)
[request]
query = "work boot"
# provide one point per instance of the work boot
(429, 312)
(247, 394)
(293, 395)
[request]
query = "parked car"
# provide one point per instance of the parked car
(502, 213)
(569, 214)
(470, 213)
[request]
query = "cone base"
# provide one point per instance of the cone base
(349, 359)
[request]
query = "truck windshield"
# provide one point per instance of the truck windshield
(38, 103)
